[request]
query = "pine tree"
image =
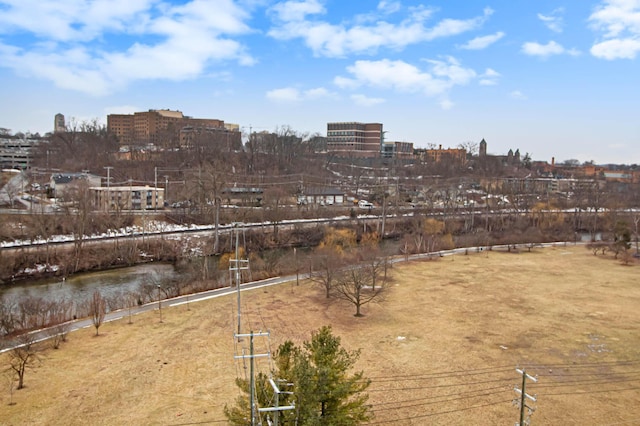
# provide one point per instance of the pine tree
(324, 392)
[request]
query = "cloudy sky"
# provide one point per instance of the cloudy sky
(552, 78)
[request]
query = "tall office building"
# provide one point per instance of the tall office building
(351, 139)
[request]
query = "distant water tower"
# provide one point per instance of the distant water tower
(58, 123)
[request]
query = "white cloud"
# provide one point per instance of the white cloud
(489, 78)
(72, 41)
(401, 76)
(291, 94)
(452, 71)
(366, 101)
(617, 17)
(346, 83)
(546, 50)
(616, 49)
(553, 21)
(446, 104)
(516, 94)
(73, 21)
(295, 10)
(389, 7)
(482, 42)
(317, 93)
(287, 94)
(337, 40)
(619, 23)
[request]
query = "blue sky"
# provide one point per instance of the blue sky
(552, 78)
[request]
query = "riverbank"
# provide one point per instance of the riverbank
(559, 314)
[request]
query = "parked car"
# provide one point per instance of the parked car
(364, 204)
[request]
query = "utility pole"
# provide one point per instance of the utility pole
(166, 188)
(295, 257)
(235, 267)
(159, 301)
(252, 356)
(277, 408)
(155, 188)
(522, 402)
(107, 204)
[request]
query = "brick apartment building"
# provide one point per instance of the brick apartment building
(358, 140)
(165, 127)
(449, 155)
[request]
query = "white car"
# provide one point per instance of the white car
(364, 204)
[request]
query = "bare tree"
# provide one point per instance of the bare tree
(58, 334)
(636, 223)
(131, 300)
(357, 286)
(327, 264)
(80, 217)
(9, 376)
(275, 198)
(470, 147)
(432, 230)
(532, 237)
(8, 316)
(59, 316)
(376, 260)
(97, 308)
(83, 145)
(23, 356)
(596, 246)
(214, 184)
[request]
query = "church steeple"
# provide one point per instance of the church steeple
(482, 152)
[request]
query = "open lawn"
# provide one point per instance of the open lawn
(441, 348)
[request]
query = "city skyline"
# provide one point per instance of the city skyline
(551, 78)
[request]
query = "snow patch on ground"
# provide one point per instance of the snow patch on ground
(151, 227)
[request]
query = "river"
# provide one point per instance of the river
(80, 287)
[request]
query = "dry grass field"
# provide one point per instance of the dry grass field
(441, 348)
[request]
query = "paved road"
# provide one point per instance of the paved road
(44, 334)
(47, 333)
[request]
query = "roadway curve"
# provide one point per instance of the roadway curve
(47, 333)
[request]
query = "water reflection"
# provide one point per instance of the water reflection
(81, 287)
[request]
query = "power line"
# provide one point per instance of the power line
(442, 396)
(475, 395)
(444, 374)
(586, 382)
(601, 379)
(206, 422)
(439, 413)
(583, 365)
(591, 392)
(441, 386)
(587, 374)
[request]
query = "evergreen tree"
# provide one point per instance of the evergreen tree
(621, 238)
(323, 390)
